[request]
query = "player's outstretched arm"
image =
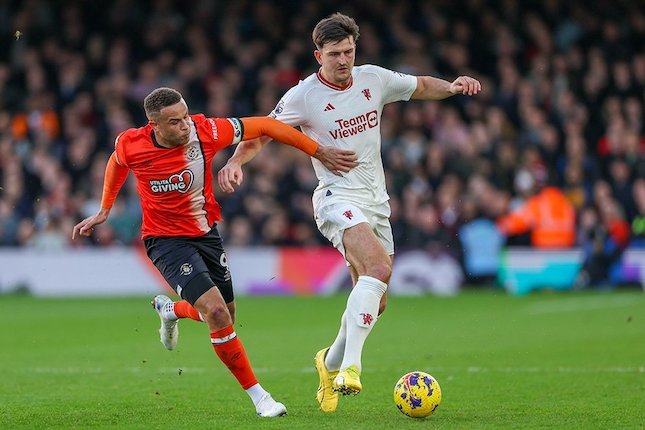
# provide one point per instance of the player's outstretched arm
(115, 176)
(429, 88)
(231, 174)
(335, 160)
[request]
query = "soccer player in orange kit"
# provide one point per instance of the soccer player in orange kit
(171, 159)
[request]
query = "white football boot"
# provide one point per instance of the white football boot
(168, 332)
(267, 407)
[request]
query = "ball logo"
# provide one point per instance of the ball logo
(180, 182)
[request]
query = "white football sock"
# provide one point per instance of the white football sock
(362, 312)
(256, 393)
(335, 354)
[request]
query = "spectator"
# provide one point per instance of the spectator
(602, 242)
(549, 217)
(481, 244)
(638, 222)
(566, 88)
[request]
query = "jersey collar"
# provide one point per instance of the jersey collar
(155, 142)
(332, 85)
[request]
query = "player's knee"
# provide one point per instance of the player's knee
(216, 312)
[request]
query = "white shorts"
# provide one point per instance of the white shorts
(334, 218)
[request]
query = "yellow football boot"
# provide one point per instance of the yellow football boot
(326, 396)
(348, 381)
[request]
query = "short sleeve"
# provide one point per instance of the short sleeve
(397, 86)
(224, 131)
(291, 108)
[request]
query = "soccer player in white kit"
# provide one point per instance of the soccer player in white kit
(341, 106)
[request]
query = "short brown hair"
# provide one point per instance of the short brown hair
(334, 28)
(159, 99)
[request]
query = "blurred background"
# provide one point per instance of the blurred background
(538, 181)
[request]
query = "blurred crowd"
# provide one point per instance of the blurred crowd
(561, 108)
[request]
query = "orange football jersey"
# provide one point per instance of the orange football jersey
(176, 184)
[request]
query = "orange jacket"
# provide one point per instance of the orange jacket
(46, 122)
(550, 217)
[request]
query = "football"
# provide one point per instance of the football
(417, 394)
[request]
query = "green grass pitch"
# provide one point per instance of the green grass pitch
(544, 361)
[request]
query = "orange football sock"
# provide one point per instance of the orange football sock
(183, 309)
(230, 350)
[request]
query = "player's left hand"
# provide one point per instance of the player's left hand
(86, 227)
(336, 160)
(465, 85)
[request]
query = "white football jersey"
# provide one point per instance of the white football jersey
(348, 118)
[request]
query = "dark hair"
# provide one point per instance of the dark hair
(159, 99)
(334, 28)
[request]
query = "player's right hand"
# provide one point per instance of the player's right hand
(230, 175)
(336, 160)
(86, 227)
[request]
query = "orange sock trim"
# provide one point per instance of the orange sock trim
(232, 353)
(228, 330)
(183, 309)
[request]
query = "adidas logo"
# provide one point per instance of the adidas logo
(329, 107)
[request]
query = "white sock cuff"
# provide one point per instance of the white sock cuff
(373, 284)
(221, 340)
(256, 393)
